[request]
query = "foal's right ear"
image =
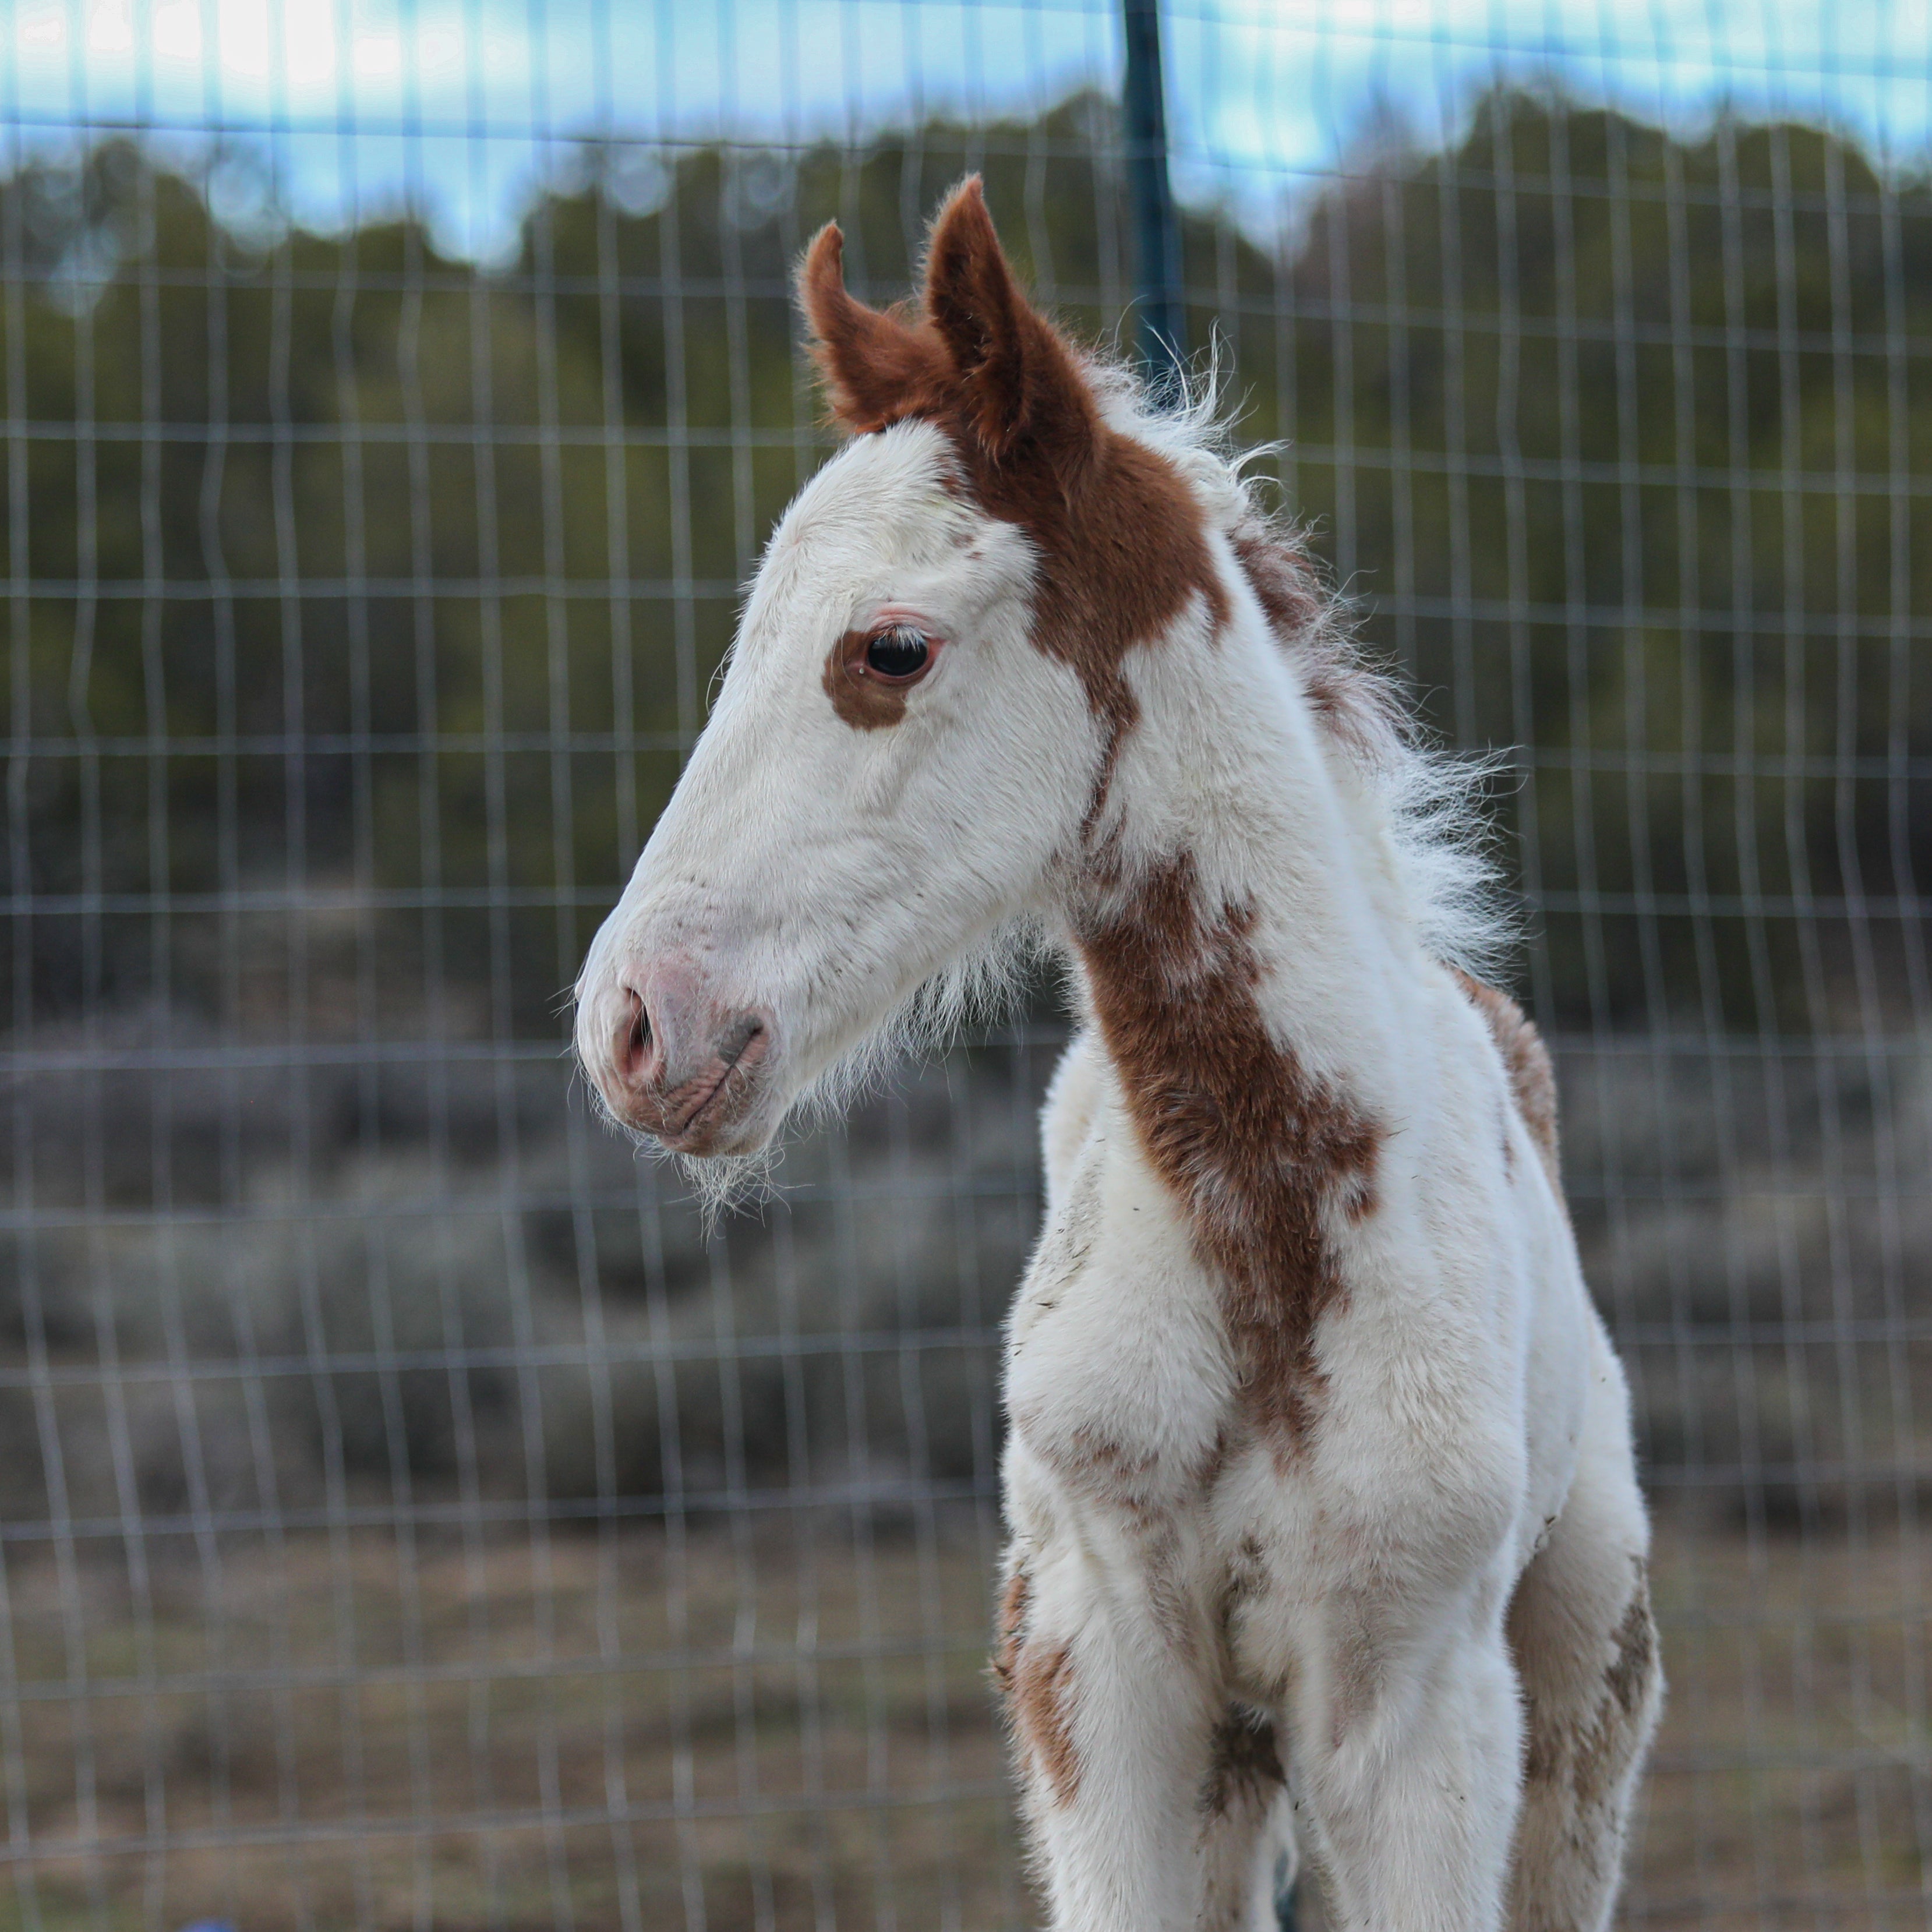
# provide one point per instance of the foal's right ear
(1018, 378)
(877, 369)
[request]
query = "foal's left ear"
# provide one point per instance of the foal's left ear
(876, 368)
(1019, 379)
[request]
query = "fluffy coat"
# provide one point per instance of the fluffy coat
(1318, 1472)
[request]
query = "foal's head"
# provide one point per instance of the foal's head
(912, 747)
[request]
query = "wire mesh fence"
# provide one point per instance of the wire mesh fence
(411, 1512)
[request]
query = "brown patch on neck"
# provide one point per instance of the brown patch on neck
(1122, 549)
(1526, 1060)
(1258, 1152)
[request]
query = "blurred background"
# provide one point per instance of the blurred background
(410, 1516)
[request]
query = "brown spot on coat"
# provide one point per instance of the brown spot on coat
(1634, 1666)
(1257, 1150)
(1096, 1466)
(1526, 1060)
(1243, 1765)
(1121, 543)
(1042, 1704)
(1596, 1754)
(1036, 1681)
(1009, 1624)
(865, 701)
(1123, 553)
(1601, 1752)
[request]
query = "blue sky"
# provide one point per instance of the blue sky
(460, 107)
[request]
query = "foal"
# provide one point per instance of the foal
(1319, 1474)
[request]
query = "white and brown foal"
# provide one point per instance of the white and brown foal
(1319, 1473)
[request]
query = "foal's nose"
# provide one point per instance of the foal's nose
(635, 1053)
(680, 1063)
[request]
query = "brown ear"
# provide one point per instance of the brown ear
(876, 368)
(1017, 377)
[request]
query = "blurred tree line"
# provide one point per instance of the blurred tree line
(360, 601)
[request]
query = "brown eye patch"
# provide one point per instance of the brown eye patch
(869, 672)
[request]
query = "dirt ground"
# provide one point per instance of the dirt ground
(785, 1723)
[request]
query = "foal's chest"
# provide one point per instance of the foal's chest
(1119, 1377)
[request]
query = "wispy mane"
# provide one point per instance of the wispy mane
(1435, 800)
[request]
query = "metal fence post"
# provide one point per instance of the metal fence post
(1161, 333)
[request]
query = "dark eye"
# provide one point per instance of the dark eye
(901, 651)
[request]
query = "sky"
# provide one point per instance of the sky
(460, 108)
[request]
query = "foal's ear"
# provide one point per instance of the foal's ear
(876, 368)
(1018, 378)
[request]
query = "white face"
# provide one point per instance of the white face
(821, 860)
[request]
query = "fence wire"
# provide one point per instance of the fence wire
(411, 1514)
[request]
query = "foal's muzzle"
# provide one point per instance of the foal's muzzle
(671, 1060)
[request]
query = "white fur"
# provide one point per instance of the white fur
(1472, 1447)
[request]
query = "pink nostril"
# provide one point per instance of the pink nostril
(634, 1045)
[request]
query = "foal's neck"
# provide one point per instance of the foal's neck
(1241, 879)
(1243, 972)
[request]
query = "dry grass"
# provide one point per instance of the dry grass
(1791, 1783)
(786, 1726)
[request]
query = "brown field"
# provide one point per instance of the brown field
(786, 1726)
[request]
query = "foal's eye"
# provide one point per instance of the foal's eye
(901, 651)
